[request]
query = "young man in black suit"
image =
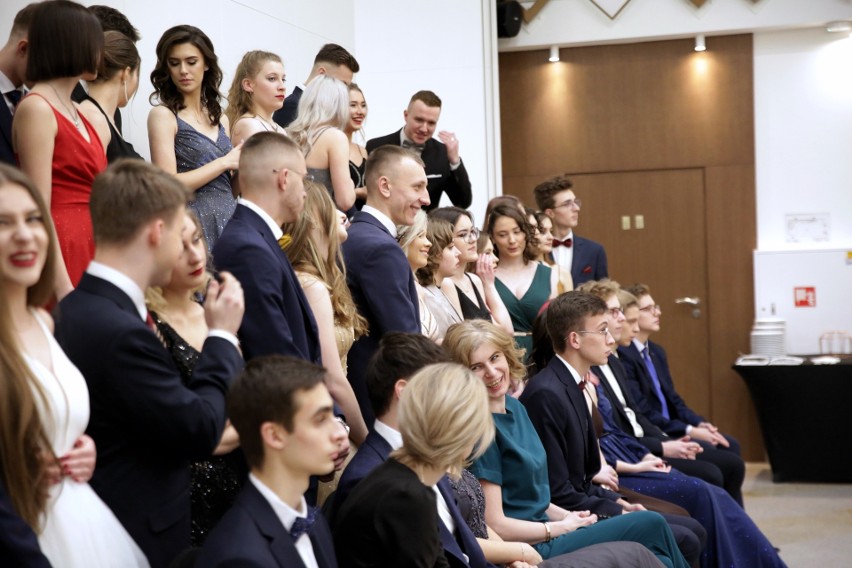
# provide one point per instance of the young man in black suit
(13, 67)
(585, 258)
(146, 422)
(653, 390)
(278, 317)
(444, 167)
(284, 415)
(577, 324)
(331, 60)
(378, 272)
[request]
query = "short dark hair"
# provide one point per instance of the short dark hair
(545, 191)
(383, 160)
(567, 312)
(337, 55)
(512, 212)
(65, 40)
(639, 290)
(113, 20)
(265, 392)
(399, 356)
(428, 98)
(23, 19)
(129, 194)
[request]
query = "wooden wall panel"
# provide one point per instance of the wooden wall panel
(649, 107)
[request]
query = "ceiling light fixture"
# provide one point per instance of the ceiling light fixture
(554, 54)
(699, 43)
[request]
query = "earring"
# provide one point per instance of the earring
(126, 98)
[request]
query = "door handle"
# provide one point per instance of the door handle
(688, 300)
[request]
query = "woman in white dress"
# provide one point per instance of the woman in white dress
(75, 528)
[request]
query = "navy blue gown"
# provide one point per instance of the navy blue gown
(733, 540)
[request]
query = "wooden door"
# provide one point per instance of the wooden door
(668, 254)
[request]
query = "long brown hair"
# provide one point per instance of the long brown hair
(320, 212)
(166, 92)
(23, 433)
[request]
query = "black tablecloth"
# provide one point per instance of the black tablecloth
(805, 413)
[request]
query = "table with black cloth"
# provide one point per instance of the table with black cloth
(805, 413)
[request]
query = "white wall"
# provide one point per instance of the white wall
(406, 46)
(294, 29)
(579, 22)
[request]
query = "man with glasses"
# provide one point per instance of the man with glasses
(278, 319)
(578, 326)
(585, 258)
(652, 387)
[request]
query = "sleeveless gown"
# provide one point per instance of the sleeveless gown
(214, 202)
(74, 167)
(80, 531)
(217, 480)
(732, 537)
(524, 310)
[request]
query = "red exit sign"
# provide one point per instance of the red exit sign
(804, 297)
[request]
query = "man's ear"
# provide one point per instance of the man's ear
(573, 340)
(383, 184)
(22, 47)
(398, 387)
(274, 435)
(155, 231)
(550, 213)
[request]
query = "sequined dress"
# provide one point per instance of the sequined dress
(732, 537)
(215, 481)
(214, 202)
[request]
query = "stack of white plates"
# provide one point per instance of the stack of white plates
(768, 337)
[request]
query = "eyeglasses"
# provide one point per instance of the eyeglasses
(570, 203)
(469, 236)
(602, 332)
(306, 177)
(650, 309)
(614, 312)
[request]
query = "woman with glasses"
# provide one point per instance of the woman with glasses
(475, 294)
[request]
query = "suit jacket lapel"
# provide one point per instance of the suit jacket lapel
(574, 395)
(105, 289)
(280, 542)
(5, 122)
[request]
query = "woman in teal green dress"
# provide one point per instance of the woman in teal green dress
(513, 470)
(523, 283)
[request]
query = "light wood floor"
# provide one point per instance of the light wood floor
(811, 523)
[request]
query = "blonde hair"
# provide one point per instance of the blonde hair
(443, 413)
(325, 102)
(462, 339)
(603, 288)
(154, 294)
(241, 101)
(405, 234)
(441, 234)
(303, 252)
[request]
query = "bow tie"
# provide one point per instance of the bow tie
(412, 146)
(566, 243)
(284, 241)
(14, 97)
(303, 525)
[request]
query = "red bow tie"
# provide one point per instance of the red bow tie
(566, 243)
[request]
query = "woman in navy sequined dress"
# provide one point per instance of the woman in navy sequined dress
(182, 328)
(187, 130)
(732, 537)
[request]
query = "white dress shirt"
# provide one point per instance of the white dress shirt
(382, 218)
(287, 515)
(564, 256)
(277, 232)
(616, 388)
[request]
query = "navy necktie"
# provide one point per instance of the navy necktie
(646, 355)
(304, 525)
(14, 97)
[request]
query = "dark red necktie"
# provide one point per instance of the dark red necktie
(566, 243)
(149, 321)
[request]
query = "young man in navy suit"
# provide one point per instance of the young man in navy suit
(331, 60)
(653, 389)
(148, 425)
(278, 317)
(399, 356)
(284, 415)
(13, 67)
(585, 258)
(378, 272)
(444, 167)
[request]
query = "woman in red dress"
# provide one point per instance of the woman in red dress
(56, 146)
